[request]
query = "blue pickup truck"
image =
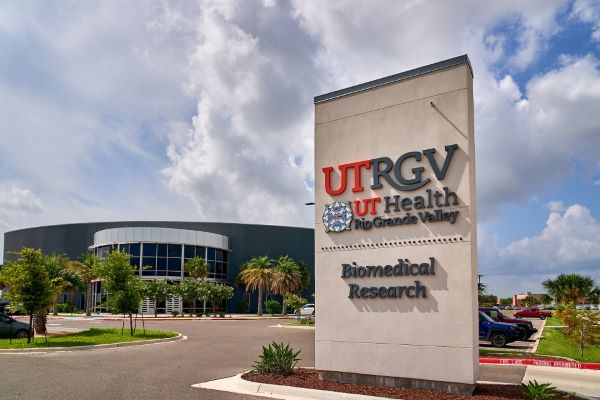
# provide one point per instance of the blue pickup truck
(497, 333)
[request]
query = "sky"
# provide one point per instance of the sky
(203, 111)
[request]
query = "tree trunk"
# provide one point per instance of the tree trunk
(155, 307)
(30, 327)
(55, 306)
(131, 323)
(39, 322)
(193, 308)
(260, 301)
(88, 299)
(284, 307)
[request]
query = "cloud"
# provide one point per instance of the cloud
(250, 153)
(526, 142)
(588, 11)
(569, 243)
(555, 206)
(16, 202)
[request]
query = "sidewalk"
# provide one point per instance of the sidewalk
(163, 317)
(585, 382)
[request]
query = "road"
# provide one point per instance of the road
(215, 349)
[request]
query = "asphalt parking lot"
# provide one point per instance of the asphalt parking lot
(521, 345)
(214, 350)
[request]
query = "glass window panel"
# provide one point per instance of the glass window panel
(103, 251)
(225, 255)
(162, 250)
(161, 263)
(173, 273)
(188, 251)
(174, 250)
(211, 254)
(135, 261)
(148, 272)
(200, 251)
(134, 249)
(219, 255)
(211, 267)
(149, 249)
(149, 262)
(225, 269)
(219, 268)
(175, 264)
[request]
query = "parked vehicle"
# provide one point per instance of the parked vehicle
(526, 328)
(10, 327)
(308, 309)
(499, 334)
(532, 312)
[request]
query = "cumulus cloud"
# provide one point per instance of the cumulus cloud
(569, 243)
(16, 202)
(555, 206)
(588, 11)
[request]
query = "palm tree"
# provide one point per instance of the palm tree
(85, 269)
(61, 278)
(287, 278)
(569, 287)
(257, 274)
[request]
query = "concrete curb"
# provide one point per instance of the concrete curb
(580, 382)
(177, 338)
(236, 384)
(292, 326)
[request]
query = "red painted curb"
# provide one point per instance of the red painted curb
(540, 363)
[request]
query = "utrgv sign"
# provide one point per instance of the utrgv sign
(395, 231)
(338, 216)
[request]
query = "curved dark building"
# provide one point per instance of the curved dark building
(159, 250)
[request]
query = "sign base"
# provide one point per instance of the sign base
(463, 389)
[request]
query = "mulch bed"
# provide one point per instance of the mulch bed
(309, 378)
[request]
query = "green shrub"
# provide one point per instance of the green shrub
(538, 391)
(273, 307)
(307, 321)
(198, 313)
(174, 313)
(67, 307)
(221, 314)
(279, 359)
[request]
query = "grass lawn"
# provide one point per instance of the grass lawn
(89, 337)
(555, 343)
(553, 321)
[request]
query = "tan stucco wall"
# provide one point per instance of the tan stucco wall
(433, 338)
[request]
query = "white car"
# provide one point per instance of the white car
(307, 309)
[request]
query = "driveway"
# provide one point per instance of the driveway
(214, 350)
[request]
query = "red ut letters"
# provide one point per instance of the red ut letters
(356, 166)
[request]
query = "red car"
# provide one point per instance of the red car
(532, 312)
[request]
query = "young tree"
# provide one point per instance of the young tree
(217, 293)
(191, 290)
(530, 301)
(29, 284)
(583, 326)
(197, 269)
(86, 268)
(295, 302)
(158, 290)
(257, 274)
(124, 288)
(507, 301)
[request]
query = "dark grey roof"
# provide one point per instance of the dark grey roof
(464, 59)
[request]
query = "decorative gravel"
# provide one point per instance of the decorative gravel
(309, 378)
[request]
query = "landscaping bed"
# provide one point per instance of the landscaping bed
(309, 379)
(555, 343)
(89, 337)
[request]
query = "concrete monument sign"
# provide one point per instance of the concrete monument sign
(395, 231)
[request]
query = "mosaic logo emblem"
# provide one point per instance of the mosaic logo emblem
(337, 216)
